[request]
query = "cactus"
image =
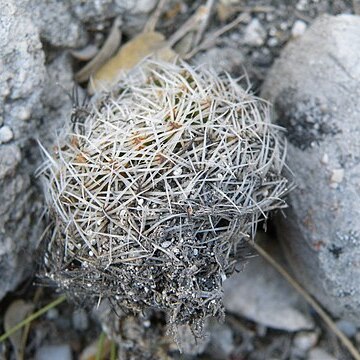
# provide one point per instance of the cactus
(152, 194)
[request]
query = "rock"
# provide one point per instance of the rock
(260, 294)
(303, 342)
(22, 74)
(54, 352)
(188, 343)
(56, 23)
(139, 6)
(254, 34)
(52, 314)
(315, 88)
(16, 312)
(227, 59)
(221, 341)
(134, 13)
(319, 354)
(80, 319)
(6, 134)
(298, 28)
(347, 327)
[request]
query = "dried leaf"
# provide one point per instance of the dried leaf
(111, 44)
(15, 313)
(129, 55)
(86, 53)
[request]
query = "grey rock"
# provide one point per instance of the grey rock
(22, 74)
(304, 341)
(319, 354)
(80, 319)
(221, 341)
(298, 28)
(134, 13)
(56, 23)
(6, 134)
(52, 314)
(137, 6)
(347, 327)
(254, 34)
(188, 343)
(227, 59)
(260, 294)
(10, 157)
(315, 88)
(54, 352)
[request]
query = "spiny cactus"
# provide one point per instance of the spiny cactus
(170, 172)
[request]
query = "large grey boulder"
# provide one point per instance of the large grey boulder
(22, 75)
(35, 71)
(315, 86)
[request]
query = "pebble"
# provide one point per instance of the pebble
(347, 327)
(80, 320)
(273, 41)
(325, 159)
(54, 352)
(52, 314)
(319, 354)
(24, 113)
(260, 294)
(337, 176)
(298, 28)
(304, 341)
(255, 34)
(6, 134)
(221, 343)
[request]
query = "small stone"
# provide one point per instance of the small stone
(80, 320)
(337, 176)
(304, 341)
(298, 28)
(319, 354)
(24, 114)
(221, 342)
(10, 157)
(301, 5)
(54, 352)
(255, 34)
(273, 41)
(325, 159)
(177, 171)
(6, 134)
(260, 294)
(188, 343)
(347, 327)
(166, 244)
(52, 314)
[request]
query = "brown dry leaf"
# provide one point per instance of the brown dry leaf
(128, 56)
(15, 313)
(224, 11)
